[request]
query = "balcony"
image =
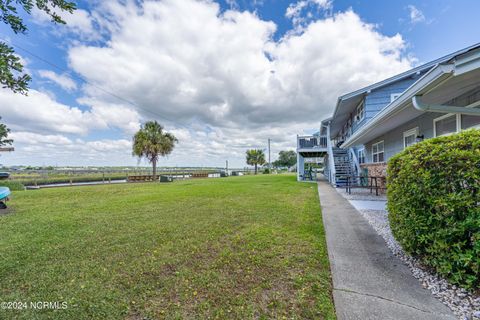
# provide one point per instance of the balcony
(311, 143)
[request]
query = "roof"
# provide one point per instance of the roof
(347, 102)
(441, 83)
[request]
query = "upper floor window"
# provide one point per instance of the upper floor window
(394, 96)
(378, 152)
(360, 112)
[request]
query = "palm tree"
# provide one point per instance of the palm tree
(151, 142)
(255, 157)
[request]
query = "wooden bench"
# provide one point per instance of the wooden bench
(371, 182)
(141, 178)
(200, 175)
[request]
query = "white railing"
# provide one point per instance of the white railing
(312, 142)
(353, 156)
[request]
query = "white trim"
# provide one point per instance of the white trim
(378, 153)
(413, 131)
(394, 96)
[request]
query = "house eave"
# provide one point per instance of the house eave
(411, 72)
(436, 75)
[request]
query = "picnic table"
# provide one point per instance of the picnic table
(365, 182)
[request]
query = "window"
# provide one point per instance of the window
(410, 137)
(360, 112)
(394, 96)
(469, 121)
(445, 125)
(361, 156)
(378, 154)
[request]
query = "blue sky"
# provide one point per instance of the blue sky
(223, 76)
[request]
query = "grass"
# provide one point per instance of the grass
(237, 248)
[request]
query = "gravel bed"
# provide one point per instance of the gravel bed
(464, 304)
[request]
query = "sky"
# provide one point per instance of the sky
(222, 76)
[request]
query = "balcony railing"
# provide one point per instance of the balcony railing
(312, 142)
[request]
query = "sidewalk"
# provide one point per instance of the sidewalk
(369, 282)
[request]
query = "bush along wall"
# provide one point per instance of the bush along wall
(434, 204)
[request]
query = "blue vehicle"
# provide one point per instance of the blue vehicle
(4, 193)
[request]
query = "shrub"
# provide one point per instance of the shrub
(13, 185)
(434, 204)
(266, 171)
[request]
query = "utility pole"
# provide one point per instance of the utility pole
(226, 167)
(269, 163)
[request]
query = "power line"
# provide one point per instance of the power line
(83, 79)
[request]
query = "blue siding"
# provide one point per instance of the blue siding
(378, 99)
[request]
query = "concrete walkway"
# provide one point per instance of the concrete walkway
(369, 282)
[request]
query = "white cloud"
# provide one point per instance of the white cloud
(186, 60)
(63, 80)
(232, 4)
(39, 112)
(221, 74)
(295, 11)
(416, 15)
(49, 149)
(35, 138)
(80, 23)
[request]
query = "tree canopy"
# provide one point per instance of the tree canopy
(11, 68)
(4, 131)
(286, 159)
(151, 142)
(255, 157)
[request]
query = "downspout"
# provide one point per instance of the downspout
(468, 110)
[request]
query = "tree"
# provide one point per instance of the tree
(255, 157)
(286, 159)
(151, 142)
(11, 68)
(4, 131)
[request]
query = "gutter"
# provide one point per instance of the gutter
(469, 110)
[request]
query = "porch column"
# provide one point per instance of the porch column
(300, 166)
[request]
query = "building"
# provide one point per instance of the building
(370, 125)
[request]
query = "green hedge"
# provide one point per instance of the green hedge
(13, 185)
(434, 204)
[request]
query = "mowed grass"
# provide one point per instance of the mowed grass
(248, 247)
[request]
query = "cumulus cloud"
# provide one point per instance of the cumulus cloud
(221, 74)
(68, 151)
(80, 23)
(187, 60)
(40, 112)
(296, 10)
(416, 15)
(63, 80)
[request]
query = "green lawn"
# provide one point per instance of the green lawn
(237, 248)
